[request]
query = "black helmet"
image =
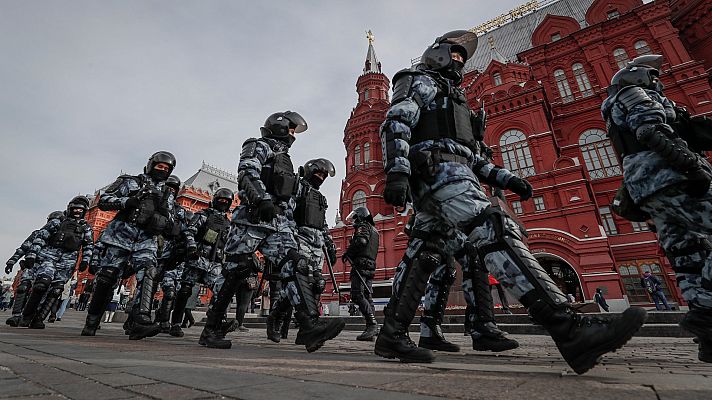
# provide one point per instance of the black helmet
(278, 124)
(359, 215)
(318, 165)
(79, 202)
(643, 71)
(55, 215)
(156, 158)
(173, 182)
(438, 56)
(222, 193)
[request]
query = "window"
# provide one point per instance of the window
(613, 14)
(639, 226)
(555, 37)
(642, 48)
(365, 94)
(582, 80)
(539, 203)
(632, 271)
(366, 152)
(609, 225)
(515, 153)
(563, 85)
(357, 155)
(497, 78)
(621, 57)
(517, 207)
(358, 200)
(598, 154)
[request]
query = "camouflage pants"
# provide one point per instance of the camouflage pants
(56, 264)
(682, 223)
(437, 291)
(128, 262)
(172, 278)
(204, 271)
(445, 215)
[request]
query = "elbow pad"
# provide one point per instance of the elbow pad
(674, 151)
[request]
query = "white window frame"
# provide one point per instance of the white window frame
(515, 153)
(598, 154)
(621, 57)
(584, 84)
(562, 83)
(609, 223)
(539, 203)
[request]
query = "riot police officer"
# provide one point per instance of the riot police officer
(205, 245)
(667, 181)
(130, 241)
(431, 151)
(55, 249)
(313, 237)
(28, 274)
(361, 254)
(264, 221)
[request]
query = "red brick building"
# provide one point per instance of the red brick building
(542, 77)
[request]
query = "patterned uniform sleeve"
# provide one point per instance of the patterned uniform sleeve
(645, 112)
(116, 195)
(490, 173)
(87, 243)
(40, 241)
(255, 153)
(194, 225)
(401, 117)
(24, 248)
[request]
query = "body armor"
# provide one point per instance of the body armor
(365, 259)
(279, 177)
(212, 232)
(311, 209)
(152, 212)
(69, 236)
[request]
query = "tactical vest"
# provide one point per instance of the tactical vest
(451, 119)
(69, 236)
(151, 214)
(214, 229)
(279, 177)
(311, 209)
(371, 250)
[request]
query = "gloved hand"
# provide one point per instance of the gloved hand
(521, 187)
(191, 252)
(320, 285)
(8, 266)
(83, 265)
(699, 183)
(331, 253)
(29, 261)
(266, 210)
(397, 191)
(132, 202)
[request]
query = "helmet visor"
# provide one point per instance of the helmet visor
(298, 122)
(465, 39)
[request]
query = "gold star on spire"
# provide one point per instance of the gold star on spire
(370, 37)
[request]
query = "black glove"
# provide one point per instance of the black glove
(83, 265)
(266, 210)
(132, 202)
(699, 182)
(8, 266)
(191, 252)
(521, 187)
(29, 261)
(331, 253)
(397, 191)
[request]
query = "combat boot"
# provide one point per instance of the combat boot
(176, 331)
(91, 325)
(274, 323)
(13, 321)
(25, 322)
(165, 327)
(227, 326)
(582, 340)
(369, 335)
(488, 337)
(211, 335)
(699, 322)
(143, 327)
(394, 342)
(436, 340)
(36, 324)
(314, 332)
(128, 324)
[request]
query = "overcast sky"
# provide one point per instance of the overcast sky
(91, 88)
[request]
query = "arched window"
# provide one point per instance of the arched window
(584, 84)
(563, 84)
(497, 77)
(358, 200)
(642, 48)
(621, 57)
(515, 153)
(366, 152)
(598, 154)
(357, 155)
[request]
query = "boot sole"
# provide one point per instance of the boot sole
(330, 335)
(404, 359)
(147, 334)
(584, 362)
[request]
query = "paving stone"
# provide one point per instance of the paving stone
(19, 387)
(169, 391)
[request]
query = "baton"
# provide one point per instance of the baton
(331, 272)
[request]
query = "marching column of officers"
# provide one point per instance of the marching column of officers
(435, 160)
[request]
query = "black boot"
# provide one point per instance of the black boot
(21, 297)
(91, 324)
(436, 340)
(211, 335)
(286, 322)
(371, 331)
(47, 306)
(13, 321)
(274, 324)
(143, 326)
(163, 314)
(184, 293)
(488, 337)
(39, 290)
(699, 322)
(394, 342)
(176, 331)
(128, 324)
(582, 340)
(228, 325)
(314, 331)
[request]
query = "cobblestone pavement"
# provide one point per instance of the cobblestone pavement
(58, 363)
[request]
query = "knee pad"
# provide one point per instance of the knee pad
(430, 258)
(300, 264)
(107, 276)
(42, 284)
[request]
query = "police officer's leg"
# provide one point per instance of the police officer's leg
(187, 282)
(112, 264)
(278, 305)
(287, 319)
(163, 314)
(144, 326)
(486, 336)
(39, 289)
(53, 294)
(360, 295)
(235, 270)
(21, 297)
(581, 340)
(436, 295)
